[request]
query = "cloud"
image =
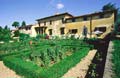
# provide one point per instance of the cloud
(60, 6)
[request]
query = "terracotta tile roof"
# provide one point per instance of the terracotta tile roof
(55, 16)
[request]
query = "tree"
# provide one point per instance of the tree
(109, 7)
(5, 34)
(6, 27)
(23, 23)
(117, 23)
(16, 24)
(0, 28)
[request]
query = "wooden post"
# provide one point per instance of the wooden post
(39, 27)
(91, 27)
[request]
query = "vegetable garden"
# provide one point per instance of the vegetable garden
(43, 58)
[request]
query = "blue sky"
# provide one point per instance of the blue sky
(30, 10)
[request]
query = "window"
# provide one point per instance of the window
(73, 20)
(29, 28)
(37, 29)
(26, 28)
(39, 24)
(101, 16)
(63, 20)
(85, 18)
(102, 29)
(50, 31)
(62, 31)
(50, 22)
(73, 31)
(45, 23)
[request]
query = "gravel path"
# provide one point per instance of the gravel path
(80, 70)
(6, 72)
(108, 72)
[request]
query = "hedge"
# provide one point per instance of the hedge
(31, 70)
(13, 53)
(21, 67)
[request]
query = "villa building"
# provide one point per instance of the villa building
(67, 24)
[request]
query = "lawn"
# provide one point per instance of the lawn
(116, 58)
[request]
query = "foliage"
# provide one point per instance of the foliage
(7, 49)
(41, 36)
(24, 37)
(23, 68)
(23, 23)
(31, 70)
(16, 33)
(58, 70)
(15, 24)
(5, 34)
(108, 7)
(45, 60)
(117, 24)
(116, 58)
(48, 54)
(6, 27)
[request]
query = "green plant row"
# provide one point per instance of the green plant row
(116, 58)
(30, 70)
(21, 67)
(13, 53)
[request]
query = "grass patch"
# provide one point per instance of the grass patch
(116, 58)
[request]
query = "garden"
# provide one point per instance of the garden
(43, 58)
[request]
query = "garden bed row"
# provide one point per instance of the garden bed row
(96, 69)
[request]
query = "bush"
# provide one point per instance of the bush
(5, 34)
(16, 33)
(23, 68)
(24, 36)
(41, 36)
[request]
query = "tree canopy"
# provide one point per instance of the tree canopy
(15, 24)
(23, 23)
(6, 27)
(109, 6)
(5, 34)
(117, 23)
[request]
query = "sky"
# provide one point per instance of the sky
(30, 10)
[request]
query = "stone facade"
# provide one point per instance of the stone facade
(66, 24)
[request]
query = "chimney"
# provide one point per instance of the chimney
(57, 13)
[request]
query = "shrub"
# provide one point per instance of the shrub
(16, 33)
(23, 68)
(24, 36)
(41, 36)
(5, 35)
